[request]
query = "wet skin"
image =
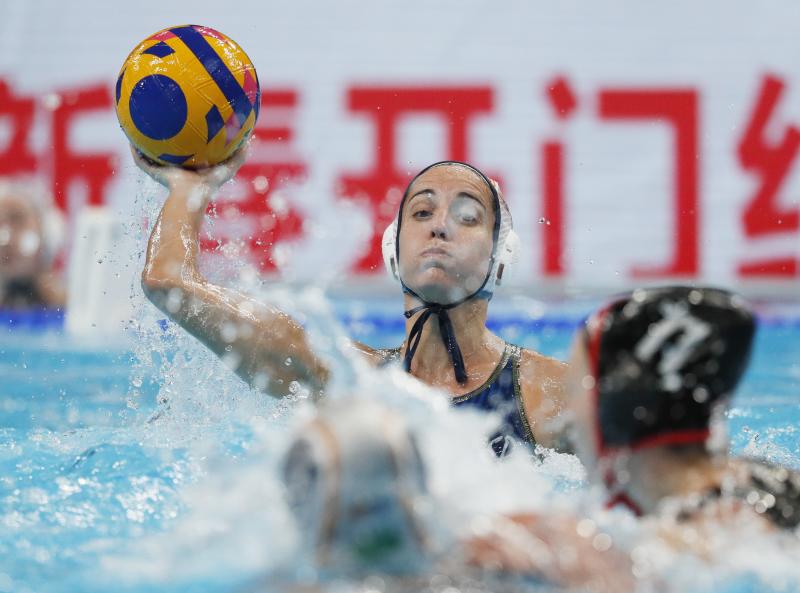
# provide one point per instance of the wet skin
(446, 234)
(446, 245)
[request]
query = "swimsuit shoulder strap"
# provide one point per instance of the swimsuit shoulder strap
(515, 358)
(514, 352)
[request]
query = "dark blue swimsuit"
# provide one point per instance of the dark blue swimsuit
(501, 393)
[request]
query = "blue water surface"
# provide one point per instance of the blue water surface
(81, 475)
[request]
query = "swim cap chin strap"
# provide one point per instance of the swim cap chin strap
(428, 308)
(446, 331)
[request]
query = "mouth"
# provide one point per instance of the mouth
(434, 252)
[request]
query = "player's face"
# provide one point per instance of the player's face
(20, 239)
(446, 234)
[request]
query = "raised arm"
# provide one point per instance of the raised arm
(265, 346)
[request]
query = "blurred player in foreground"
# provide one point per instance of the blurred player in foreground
(356, 482)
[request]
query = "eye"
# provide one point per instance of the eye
(422, 213)
(467, 214)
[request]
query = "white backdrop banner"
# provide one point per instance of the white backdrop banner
(635, 142)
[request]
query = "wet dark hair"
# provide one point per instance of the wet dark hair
(663, 359)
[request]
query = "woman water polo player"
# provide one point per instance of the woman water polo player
(651, 376)
(449, 246)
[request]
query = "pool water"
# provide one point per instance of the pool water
(144, 465)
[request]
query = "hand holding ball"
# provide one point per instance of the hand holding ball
(188, 96)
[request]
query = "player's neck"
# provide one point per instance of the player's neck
(475, 341)
(659, 474)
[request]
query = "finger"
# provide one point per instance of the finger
(137, 155)
(235, 163)
(240, 156)
(143, 161)
(227, 169)
(159, 173)
(149, 161)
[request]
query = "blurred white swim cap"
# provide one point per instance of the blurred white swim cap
(353, 475)
(35, 194)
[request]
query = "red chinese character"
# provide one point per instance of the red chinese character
(771, 162)
(94, 169)
(677, 108)
(563, 102)
(457, 106)
(271, 166)
(16, 157)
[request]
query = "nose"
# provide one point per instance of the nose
(439, 228)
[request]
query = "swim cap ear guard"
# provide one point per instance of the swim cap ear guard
(388, 249)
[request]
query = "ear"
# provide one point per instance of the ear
(389, 250)
(507, 256)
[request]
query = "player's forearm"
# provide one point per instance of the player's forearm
(173, 248)
(266, 347)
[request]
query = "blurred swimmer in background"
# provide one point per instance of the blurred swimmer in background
(357, 485)
(450, 245)
(31, 232)
(651, 377)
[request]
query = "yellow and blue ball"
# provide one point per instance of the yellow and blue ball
(188, 96)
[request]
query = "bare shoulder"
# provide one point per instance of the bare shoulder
(542, 382)
(538, 370)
